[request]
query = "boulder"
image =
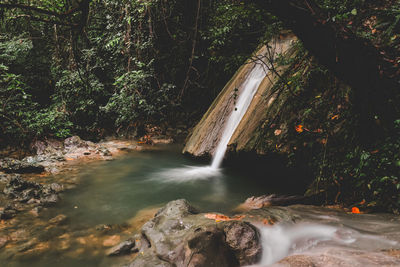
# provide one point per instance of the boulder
(10, 165)
(22, 190)
(122, 248)
(7, 213)
(103, 151)
(179, 236)
(74, 141)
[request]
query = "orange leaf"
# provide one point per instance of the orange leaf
(222, 218)
(265, 222)
(299, 128)
(335, 117)
(355, 210)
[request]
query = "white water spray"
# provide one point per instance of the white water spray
(248, 89)
(250, 86)
(280, 241)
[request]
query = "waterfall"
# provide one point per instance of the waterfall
(249, 88)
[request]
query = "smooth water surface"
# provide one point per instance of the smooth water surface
(114, 192)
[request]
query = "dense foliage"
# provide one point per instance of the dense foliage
(97, 68)
(131, 63)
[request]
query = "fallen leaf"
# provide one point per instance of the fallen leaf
(278, 132)
(355, 210)
(265, 222)
(223, 218)
(335, 117)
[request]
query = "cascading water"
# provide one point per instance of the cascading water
(250, 86)
(248, 89)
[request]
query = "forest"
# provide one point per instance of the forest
(134, 70)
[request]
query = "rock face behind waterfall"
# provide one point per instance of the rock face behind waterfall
(206, 135)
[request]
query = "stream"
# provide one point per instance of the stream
(113, 200)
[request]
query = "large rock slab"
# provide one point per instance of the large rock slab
(179, 236)
(204, 138)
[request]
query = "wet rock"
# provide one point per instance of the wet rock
(10, 165)
(179, 236)
(74, 141)
(208, 248)
(162, 139)
(35, 211)
(5, 178)
(7, 213)
(339, 257)
(103, 151)
(59, 219)
(122, 248)
(48, 146)
(104, 228)
(56, 187)
(243, 239)
(18, 187)
(49, 199)
(3, 241)
(149, 260)
(253, 202)
(22, 190)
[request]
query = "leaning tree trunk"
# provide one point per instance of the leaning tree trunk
(354, 60)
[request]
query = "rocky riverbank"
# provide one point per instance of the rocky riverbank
(33, 183)
(178, 235)
(30, 185)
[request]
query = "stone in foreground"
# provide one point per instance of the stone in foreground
(179, 236)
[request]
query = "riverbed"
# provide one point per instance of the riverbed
(113, 199)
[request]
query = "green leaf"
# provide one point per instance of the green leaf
(354, 12)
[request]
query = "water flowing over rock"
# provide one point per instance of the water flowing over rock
(216, 130)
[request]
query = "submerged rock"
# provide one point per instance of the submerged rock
(253, 202)
(179, 236)
(10, 165)
(7, 213)
(59, 219)
(122, 248)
